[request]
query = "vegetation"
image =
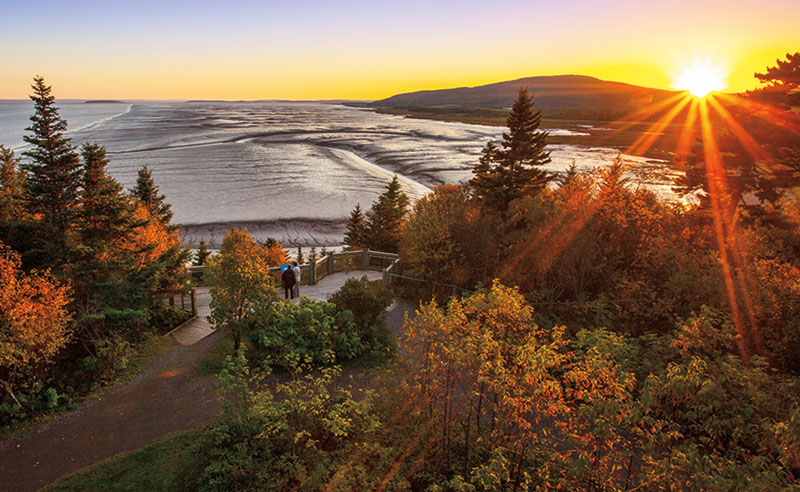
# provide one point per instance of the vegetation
(382, 228)
(240, 282)
(85, 269)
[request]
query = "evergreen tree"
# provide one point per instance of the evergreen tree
(12, 188)
(202, 253)
(300, 259)
(146, 191)
(106, 213)
(386, 218)
(356, 233)
(507, 173)
(312, 255)
(53, 176)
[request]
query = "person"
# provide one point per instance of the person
(287, 276)
(297, 275)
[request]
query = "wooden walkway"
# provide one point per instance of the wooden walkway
(199, 328)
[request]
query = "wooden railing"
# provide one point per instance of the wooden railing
(186, 301)
(346, 261)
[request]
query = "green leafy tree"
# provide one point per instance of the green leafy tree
(507, 173)
(239, 281)
(357, 227)
(387, 217)
(53, 176)
(146, 191)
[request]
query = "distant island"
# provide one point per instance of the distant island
(104, 101)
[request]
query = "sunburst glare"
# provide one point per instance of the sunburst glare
(700, 78)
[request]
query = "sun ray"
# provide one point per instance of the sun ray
(687, 134)
(776, 116)
(643, 114)
(648, 138)
(751, 146)
(720, 213)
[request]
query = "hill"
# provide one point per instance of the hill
(557, 92)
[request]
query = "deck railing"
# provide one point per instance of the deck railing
(346, 261)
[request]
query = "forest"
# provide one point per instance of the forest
(569, 332)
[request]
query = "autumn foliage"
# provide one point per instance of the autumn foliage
(34, 321)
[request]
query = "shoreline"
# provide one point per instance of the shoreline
(288, 232)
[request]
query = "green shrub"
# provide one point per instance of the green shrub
(311, 332)
(289, 440)
(367, 301)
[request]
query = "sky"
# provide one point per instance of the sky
(326, 49)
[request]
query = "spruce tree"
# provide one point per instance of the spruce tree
(12, 192)
(507, 173)
(53, 176)
(106, 213)
(146, 191)
(386, 218)
(202, 254)
(356, 233)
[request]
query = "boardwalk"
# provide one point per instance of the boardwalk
(165, 399)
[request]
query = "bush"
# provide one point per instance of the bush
(311, 332)
(164, 319)
(367, 301)
(289, 440)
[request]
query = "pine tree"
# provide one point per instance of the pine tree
(356, 233)
(507, 173)
(106, 213)
(202, 253)
(300, 259)
(146, 191)
(53, 176)
(386, 218)
(12, 188)
(312, 255)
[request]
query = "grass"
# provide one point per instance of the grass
(158, 466)
(214, 360)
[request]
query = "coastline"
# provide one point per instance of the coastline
(288, 232)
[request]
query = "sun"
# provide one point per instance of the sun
(700, 78)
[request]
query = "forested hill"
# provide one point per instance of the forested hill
(557, 92)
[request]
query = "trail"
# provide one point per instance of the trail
(166, 398)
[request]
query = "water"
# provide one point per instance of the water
(292, 171)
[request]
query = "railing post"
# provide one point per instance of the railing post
(330, 264)
(313, 268)
(347, 261)
(194, 304)
(365, 259)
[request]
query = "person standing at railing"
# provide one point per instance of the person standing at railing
(297, 276)
(287, 276)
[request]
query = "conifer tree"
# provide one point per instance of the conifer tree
(53, 175)
(356, 233)
(202, 253)
(300, 259)
(107, 213)
(507, 173)
(386, 218)
(146, 191)
(12, 183)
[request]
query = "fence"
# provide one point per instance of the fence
(313, 272)
(186, 301)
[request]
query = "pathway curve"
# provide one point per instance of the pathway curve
(164, 399)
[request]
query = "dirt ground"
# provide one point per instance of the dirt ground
(164, 399)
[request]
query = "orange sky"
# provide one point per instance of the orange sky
(243, 49)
